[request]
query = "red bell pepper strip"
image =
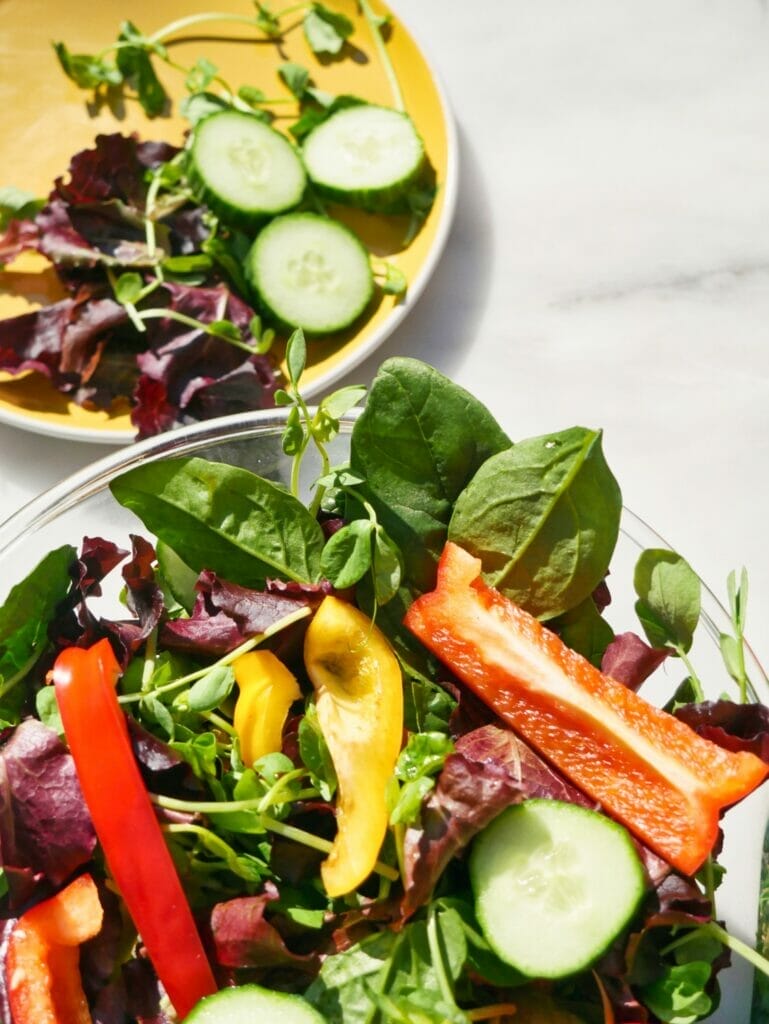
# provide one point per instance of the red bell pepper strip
(125, 822)
(43, 960)
(647, 769)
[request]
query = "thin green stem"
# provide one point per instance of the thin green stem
(150, 650)
(437, 956)
(739, 947)
(227, 659)
(191, 20)
(280, 828)
(699, 693)
(188, 321)
(219, 722)
(384, 56)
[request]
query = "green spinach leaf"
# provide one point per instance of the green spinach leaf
(418, 443)
(229, 520)
(24, 620)
(543, 517)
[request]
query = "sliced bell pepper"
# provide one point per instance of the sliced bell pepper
(646, 768)
(359, 699)
(43, 958)
(125, 822)
(267, 691)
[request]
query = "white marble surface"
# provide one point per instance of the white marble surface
(609, 263)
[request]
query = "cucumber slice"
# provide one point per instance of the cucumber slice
(366, 156)
(310, 272)
(244, 170)
(554, 884)
(249, 1004)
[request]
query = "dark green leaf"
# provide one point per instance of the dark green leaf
(347, 554)
(28, 610)
(585, 630)
(225, 519)
(135, 64)
(418, 443)
(212, 690)
(315, 755)
(199, 751)
(326, 30)
(543, 517)
(668, 603)
(155, 712)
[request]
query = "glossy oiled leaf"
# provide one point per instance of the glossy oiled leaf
(229, 520)
(418, 443)
(543, 517)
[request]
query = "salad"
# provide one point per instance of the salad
(371, 753)
(179, 270)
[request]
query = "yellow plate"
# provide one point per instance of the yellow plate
(46, 119)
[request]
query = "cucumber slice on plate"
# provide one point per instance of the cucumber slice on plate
(252, 1004)
(310, 272)
(365, 156)
(554, 884)
(243, 169)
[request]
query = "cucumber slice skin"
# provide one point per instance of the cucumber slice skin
(251, 1004)
(288, 262)
(554, 885)
(323, 146)
(243, 169)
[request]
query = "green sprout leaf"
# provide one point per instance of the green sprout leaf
(325, 30)
(668, 603)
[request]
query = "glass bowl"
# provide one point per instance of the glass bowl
(82, 505)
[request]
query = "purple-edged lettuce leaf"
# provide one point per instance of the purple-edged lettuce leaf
(733, 726)
(225, 614)
(244, 938)
(143, 597)
(48, 828)
(188, 374)
(630, 660)
(74, 623)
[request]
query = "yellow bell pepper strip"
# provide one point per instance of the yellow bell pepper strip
(359, 699)
(124, 819)
(43, 958)
(649, 770)
(267, 691)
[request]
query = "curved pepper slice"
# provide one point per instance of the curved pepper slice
(125, 822)
(267, 691)
(649, 770)
(359, 698)
(43, 959)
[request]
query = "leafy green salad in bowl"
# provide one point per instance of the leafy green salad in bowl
(371, 716)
